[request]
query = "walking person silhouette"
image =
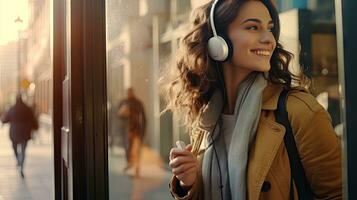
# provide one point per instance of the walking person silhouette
(22, 121)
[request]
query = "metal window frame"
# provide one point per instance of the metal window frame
(88, 100)
(347, 46)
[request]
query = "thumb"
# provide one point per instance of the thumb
(189, 147)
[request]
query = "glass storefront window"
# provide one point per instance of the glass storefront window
(322, 10)
(139, 45)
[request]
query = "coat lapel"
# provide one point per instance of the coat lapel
(263, 151)
(269, 137)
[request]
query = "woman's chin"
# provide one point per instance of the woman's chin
(262, 68)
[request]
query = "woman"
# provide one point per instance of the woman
(229, 93)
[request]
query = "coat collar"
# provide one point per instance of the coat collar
(271, 96)
(211, 112)
(272, 92)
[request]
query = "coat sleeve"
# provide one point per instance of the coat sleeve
(179, 194)
(6, 117)
(318, 145)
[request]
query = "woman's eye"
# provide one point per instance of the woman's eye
(252, 28)
(271, 29)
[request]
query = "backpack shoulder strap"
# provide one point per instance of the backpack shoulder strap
(297, 170)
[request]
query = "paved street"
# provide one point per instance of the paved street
(38, 182)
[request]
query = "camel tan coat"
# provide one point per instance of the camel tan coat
(268, 167)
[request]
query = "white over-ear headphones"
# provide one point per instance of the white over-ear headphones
(219, 47)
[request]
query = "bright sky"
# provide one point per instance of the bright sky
(9, 10)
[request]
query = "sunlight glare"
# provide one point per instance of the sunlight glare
(9, 11)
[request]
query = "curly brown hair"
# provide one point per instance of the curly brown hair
(196, 75)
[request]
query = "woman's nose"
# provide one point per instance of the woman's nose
(267, 37)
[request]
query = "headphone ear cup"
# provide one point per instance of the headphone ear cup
(230, 47)
(218, 48)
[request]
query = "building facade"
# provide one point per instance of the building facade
(37, 70)
(8, 74)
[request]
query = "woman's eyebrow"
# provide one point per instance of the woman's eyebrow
(256, 20)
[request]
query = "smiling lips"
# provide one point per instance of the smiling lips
(261, 52)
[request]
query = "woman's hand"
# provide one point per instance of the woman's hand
(184, 166)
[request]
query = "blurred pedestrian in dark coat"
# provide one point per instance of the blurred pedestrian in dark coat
(22, 121)
(35, 134)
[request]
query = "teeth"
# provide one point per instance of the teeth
(262, 52)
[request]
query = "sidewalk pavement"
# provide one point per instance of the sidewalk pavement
(152, 183)
(38, 181)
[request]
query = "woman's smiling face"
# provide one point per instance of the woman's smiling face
(252, 37)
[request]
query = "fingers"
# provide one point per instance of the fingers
(183, 168)
(174, 152)
(182, 175)
(179, 160)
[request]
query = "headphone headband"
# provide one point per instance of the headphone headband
(212, 17)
